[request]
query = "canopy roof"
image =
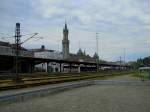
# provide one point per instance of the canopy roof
(144, 68)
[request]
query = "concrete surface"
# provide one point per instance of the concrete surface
(20, 95)
(96, 98)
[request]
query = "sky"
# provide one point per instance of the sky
(123, 26)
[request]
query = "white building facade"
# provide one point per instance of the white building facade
(48, 54)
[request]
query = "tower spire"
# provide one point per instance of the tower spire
(65, 24)
(65, 42)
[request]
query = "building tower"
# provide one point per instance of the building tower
(65, 43)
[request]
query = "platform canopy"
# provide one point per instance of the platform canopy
(144, 68)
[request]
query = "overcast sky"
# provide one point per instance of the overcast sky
(121, 24)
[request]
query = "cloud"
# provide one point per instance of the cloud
(92, 11)
(121, 24)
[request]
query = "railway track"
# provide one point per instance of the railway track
(36, 81)
(31, 82)
(30, 78)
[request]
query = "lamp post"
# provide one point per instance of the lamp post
(97, 61)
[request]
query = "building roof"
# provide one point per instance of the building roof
(7, 44)
(76, 57)
(42, 49)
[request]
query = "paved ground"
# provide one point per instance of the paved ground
(89, 99)
(128, 77)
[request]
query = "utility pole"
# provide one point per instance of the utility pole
(97, 52)
(120, 62)
(79, 45)
(17, 45)
(124, 55)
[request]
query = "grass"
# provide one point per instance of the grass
(114, 74)
(137, 74)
